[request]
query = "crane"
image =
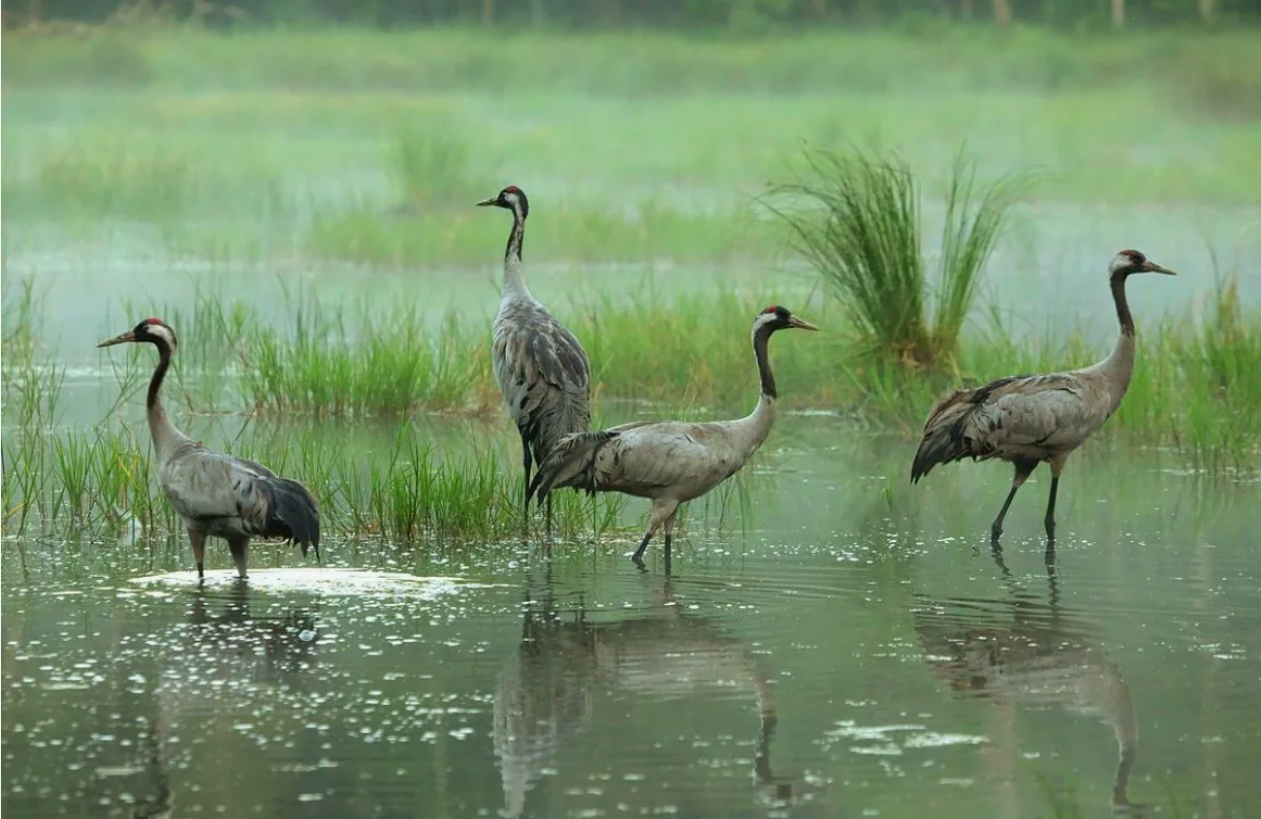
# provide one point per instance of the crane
(669, 462)
(218, 495)
(540, 367)
(1028, 419)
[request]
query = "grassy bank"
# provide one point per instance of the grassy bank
(370, 147)
(1217, 68)
(1195, 389)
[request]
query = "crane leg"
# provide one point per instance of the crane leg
(638, 557)
(240, 547)
(549, 516)
(1050, 509)
(669, 527)
(525, 496)
(1023, 470)
(662, 511)
(1057, 466)
(198, 539)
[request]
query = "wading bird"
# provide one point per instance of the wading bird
(670, 462)
(218, 495)
(1028, 419)
(540, 367)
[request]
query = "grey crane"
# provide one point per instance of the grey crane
(1028, 419)
(540, 367)
(218, 495)
(670, 462)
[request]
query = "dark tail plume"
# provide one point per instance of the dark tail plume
(943, 440)
(293, 514)
(570, 464)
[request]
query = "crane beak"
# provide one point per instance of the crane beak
(494, 200)
(130, 335)
(1151, 267)
(800, 324)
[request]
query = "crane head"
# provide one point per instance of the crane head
(1132, 261)
(780, 318)
(511, 198)
(152, 330)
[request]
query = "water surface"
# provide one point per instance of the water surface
(854, 650)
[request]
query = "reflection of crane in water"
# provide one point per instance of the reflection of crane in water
(1039, 656)
(545, 692)
(231, 646)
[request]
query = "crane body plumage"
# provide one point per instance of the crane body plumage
(669, 462)
(219, 495)
(1030, 419)
(540, 367)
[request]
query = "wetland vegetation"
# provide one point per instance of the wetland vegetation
(298, 206)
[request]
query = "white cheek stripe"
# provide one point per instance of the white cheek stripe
(162, 333)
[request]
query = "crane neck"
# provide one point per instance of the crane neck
(1122, 305)
(165, 435)
(761, 337)
(764, 413)
(1118, 367)
(514, 280)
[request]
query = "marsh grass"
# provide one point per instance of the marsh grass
(138, 54)
(136, 174)
(435, 168)
(855, 218)
(385, 364)
(371, 233)
(1195, 388)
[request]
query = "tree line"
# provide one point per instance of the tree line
(670, 14)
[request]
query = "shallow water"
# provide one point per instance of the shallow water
(856, 651)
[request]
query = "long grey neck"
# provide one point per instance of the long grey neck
(760, 339)
(1119, 365)
(514, 281)
(763, 415)
(165, 436)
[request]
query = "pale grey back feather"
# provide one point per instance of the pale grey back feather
(1032, 417)
(542, 372)
(662, 459)
(233, 497)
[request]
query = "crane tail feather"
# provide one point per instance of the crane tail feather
(293, 514)
(571, 464)
(944, 440)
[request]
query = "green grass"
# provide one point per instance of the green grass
(371, 147)
(943, 58)
(856, 219)
(1195, 389)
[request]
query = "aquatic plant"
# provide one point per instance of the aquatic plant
(855, 217)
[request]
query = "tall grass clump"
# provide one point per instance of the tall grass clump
(855, 218)
(436, 169)
(369, 364)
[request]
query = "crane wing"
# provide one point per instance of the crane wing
(1035, 416)
(685, 457)
(543, 373)
(204, 486)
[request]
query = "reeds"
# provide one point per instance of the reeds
(1195, 388)
(855, 218)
